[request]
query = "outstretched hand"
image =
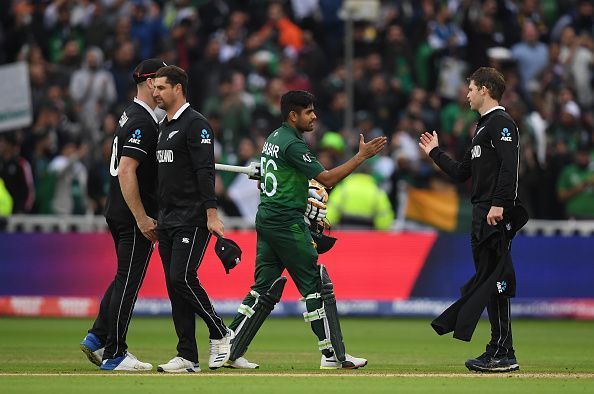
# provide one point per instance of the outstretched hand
(372, 147)
(428, 142)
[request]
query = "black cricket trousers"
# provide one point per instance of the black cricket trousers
(498, 306)
(182, 250)
(133, 252)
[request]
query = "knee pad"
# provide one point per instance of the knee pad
(329, 315)
(255, 316)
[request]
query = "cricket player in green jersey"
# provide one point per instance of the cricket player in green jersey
(284, 240)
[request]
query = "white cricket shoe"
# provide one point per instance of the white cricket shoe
(126, 362)
(177, 365)
(93, 348)
(350, 362)
(220, 350)
(241, 363)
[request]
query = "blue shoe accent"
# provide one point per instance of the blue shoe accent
(92, 342)
(112, 363)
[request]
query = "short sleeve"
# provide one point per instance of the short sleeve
(298, 155)
(138, 141)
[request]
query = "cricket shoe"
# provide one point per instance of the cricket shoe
(179, 365)
(127, 362)
(487, 363)
(350, 362)
(220, 350)
(241, 363)
(93, 348)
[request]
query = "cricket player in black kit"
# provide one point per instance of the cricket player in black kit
(187, 218)
(492, 161)
(130, 212)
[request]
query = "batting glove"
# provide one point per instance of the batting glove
(316, 210)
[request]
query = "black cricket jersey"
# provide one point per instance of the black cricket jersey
(185, 153)
(135, 137)
(492, 160)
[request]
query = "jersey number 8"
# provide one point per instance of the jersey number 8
(268, 177)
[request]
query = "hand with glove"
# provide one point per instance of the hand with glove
(316, 201)
(316, 210)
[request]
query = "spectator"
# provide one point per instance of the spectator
(409, 70)
(456, 118)
(358, 202)
(16, 173)
(147, 28)
(576, 186)
(121, 69)
(99, 178)
(70, 177)
(5, 205)
(93, 90)
(44, 182)
(291, 77)
(530, 54)
(236, 122)
(288, 35)
(577, 56)
(267, 115)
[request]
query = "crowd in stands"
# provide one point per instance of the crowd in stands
(409, 75)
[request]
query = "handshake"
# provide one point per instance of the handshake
(316, 202)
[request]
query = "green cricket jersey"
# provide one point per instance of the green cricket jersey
(287, 165)
(581, 205)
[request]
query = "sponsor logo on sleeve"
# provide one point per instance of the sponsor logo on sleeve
(136, 137)
(506, 135)
(501, 286)
(205, 137)
(306, 158)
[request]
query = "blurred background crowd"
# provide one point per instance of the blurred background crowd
(409, 74)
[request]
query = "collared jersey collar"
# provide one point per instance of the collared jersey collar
(148, 109)
(294, 130)
(180, 110)
(493, 109)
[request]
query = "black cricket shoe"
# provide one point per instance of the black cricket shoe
(487, 363)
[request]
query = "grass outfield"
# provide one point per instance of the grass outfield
(42, 355)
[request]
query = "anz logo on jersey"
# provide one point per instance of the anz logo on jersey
(136, 137)
(476, 151)
(506, 135)
(205, 137)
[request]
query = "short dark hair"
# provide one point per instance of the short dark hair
(491, 79)
(174, 76)
(295, 100)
